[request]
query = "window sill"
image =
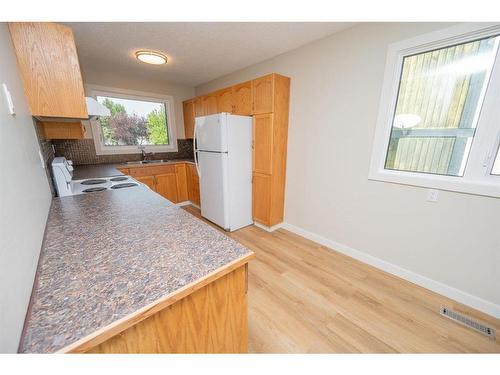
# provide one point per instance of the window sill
(448, 183)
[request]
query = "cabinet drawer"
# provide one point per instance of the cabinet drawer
(150, 171)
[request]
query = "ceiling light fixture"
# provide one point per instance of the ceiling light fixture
(151, 57)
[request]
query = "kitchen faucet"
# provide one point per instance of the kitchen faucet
(143, 152)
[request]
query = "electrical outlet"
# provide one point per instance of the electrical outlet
(432, 195)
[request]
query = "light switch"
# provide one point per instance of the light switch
(432, 195)
(8, 98)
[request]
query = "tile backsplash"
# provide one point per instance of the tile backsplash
(82, 151)
(47, 154)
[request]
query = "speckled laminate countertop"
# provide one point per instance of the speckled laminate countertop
(87, 171)
(108, 254)
(83, 172)
(166, 162)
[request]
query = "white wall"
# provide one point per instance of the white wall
(335, 92)
(180, 93)
(24, 202)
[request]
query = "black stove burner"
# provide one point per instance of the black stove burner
(119, 178)
(91, 190)
(95, 181)
(124, 185)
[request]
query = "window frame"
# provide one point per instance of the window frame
(167, 100)
(477, 178)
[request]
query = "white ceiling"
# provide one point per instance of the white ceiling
(198, 52)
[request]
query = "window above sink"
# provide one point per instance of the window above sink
(139, 121)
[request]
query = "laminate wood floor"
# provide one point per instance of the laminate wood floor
(306, 298)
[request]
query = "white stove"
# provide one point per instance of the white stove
(65, 185)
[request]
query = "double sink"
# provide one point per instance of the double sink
(145, 161)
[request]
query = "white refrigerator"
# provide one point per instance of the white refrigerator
(223, 157)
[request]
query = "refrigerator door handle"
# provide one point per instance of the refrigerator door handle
(194, 135)
(197, 165)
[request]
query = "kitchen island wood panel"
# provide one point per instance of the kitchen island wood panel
(213, 319)
(155, 256)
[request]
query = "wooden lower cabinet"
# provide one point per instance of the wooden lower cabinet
(212, 319)
(193, 184)
(166, 186)
(181, 178)
(148, 180)
(261, 198)
(176, 182)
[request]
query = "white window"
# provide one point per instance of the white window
(439, 116)
(138, 122)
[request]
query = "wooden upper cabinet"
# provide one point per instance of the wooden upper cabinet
(198, 107)
(209, 103)
(48, 64)
(263, 143)
(242, 98)
(225, 100)
(263, 94)
(188, 111)
(62, 130)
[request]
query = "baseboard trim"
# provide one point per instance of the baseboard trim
(268, 229)
(465, 298)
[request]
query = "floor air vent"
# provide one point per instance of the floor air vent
(468, 322)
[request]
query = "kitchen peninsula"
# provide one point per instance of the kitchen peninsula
(127, 271)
